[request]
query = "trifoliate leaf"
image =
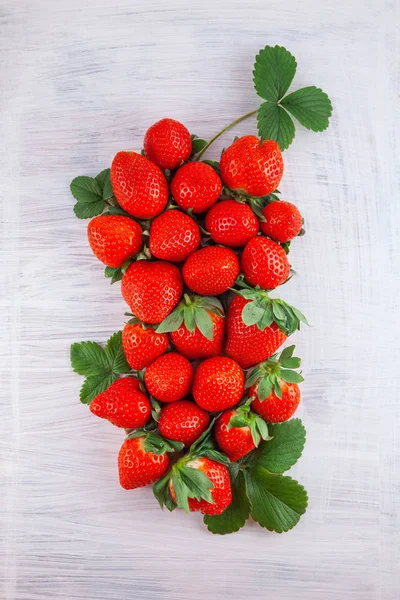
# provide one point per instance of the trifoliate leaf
(310, 106)
(171, 323)
(237, 513)
(252, 313)
(117, 210)
(277, 501)
(95, 385)
(274, 123)
(88, 359)
(115, 354)
(88, 194)
(274, 70)
(87, 210)
(285, 447)
(204, 323)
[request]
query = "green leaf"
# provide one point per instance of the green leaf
(277, 501)
(171, 323)
(95, 385)
(198, 484)
(264, 388)
(237, 513)
(285, 448)
(87, 210)
(252, 313)
(290, 376)
(115, 354)
(86, 189)
(287, 353)
(88, 359)
(215, 455)
(117, 210)
(104, 181)
(291, 363)
(214, 164)
(310, 106)
(198, 145)
(274, 123)
(274, 70)
(204, 323)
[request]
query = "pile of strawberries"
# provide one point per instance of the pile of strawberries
(198, 246)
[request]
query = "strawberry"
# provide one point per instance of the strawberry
(197, 327)
(151, 289)
(273, 385)
(183, 421)
(218, 383)
(174, 236)
(142, 345)
(167, 143)
(123, 404)
(114, 238)
(239, 431)
(264, 263)
(139, 467)
(252, 166)
(169, 377)
(247, 344)
(211, 271)
(231, 223)
(196, 186)
(220, 491)
(139, 185)
(283, 221)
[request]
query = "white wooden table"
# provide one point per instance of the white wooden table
(82, 79)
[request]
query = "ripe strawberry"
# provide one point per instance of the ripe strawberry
(169, 377)
(211, 271)
(218, 384)
(264, 263)
(139, 185)
(221, 493)
(142, 345)
(196, 326)
(273, 384)
(174, 236)
(151, 289)
(167, 143)
(283, 221)
(138, 467)
(183, 421)
(252, 166)
(247, 344)
(239, 431)
(232, 223)
(123, 404)
(114, 238)
(276, 409)
(196, 186)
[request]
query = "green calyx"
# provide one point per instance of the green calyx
(270, 373)
(154, 442)
(246, 418)
(193, 312)
(264, 310)
(256, 203)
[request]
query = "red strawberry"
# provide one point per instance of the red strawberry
(221, 493)
(273, 408)
(142, 345)
(169, 377)
(232, 223)
(283, 221)
(167, 143)
(211, 271)
(239, 431)
(174, 236)
(183, 421)
(123, 404)
(218, 384)
(139, 185)
(114, 238)
(247, 344)
(151, 289)
(196, 326)
(264, 263)
(196, 186)
(252, 166)
(138, 467)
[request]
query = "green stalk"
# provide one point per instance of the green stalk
(242, 118)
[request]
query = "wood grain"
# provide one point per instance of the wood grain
(81, 80)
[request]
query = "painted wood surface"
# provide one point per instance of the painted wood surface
(82, 79)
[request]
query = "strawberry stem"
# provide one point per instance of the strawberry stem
(242, 118)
